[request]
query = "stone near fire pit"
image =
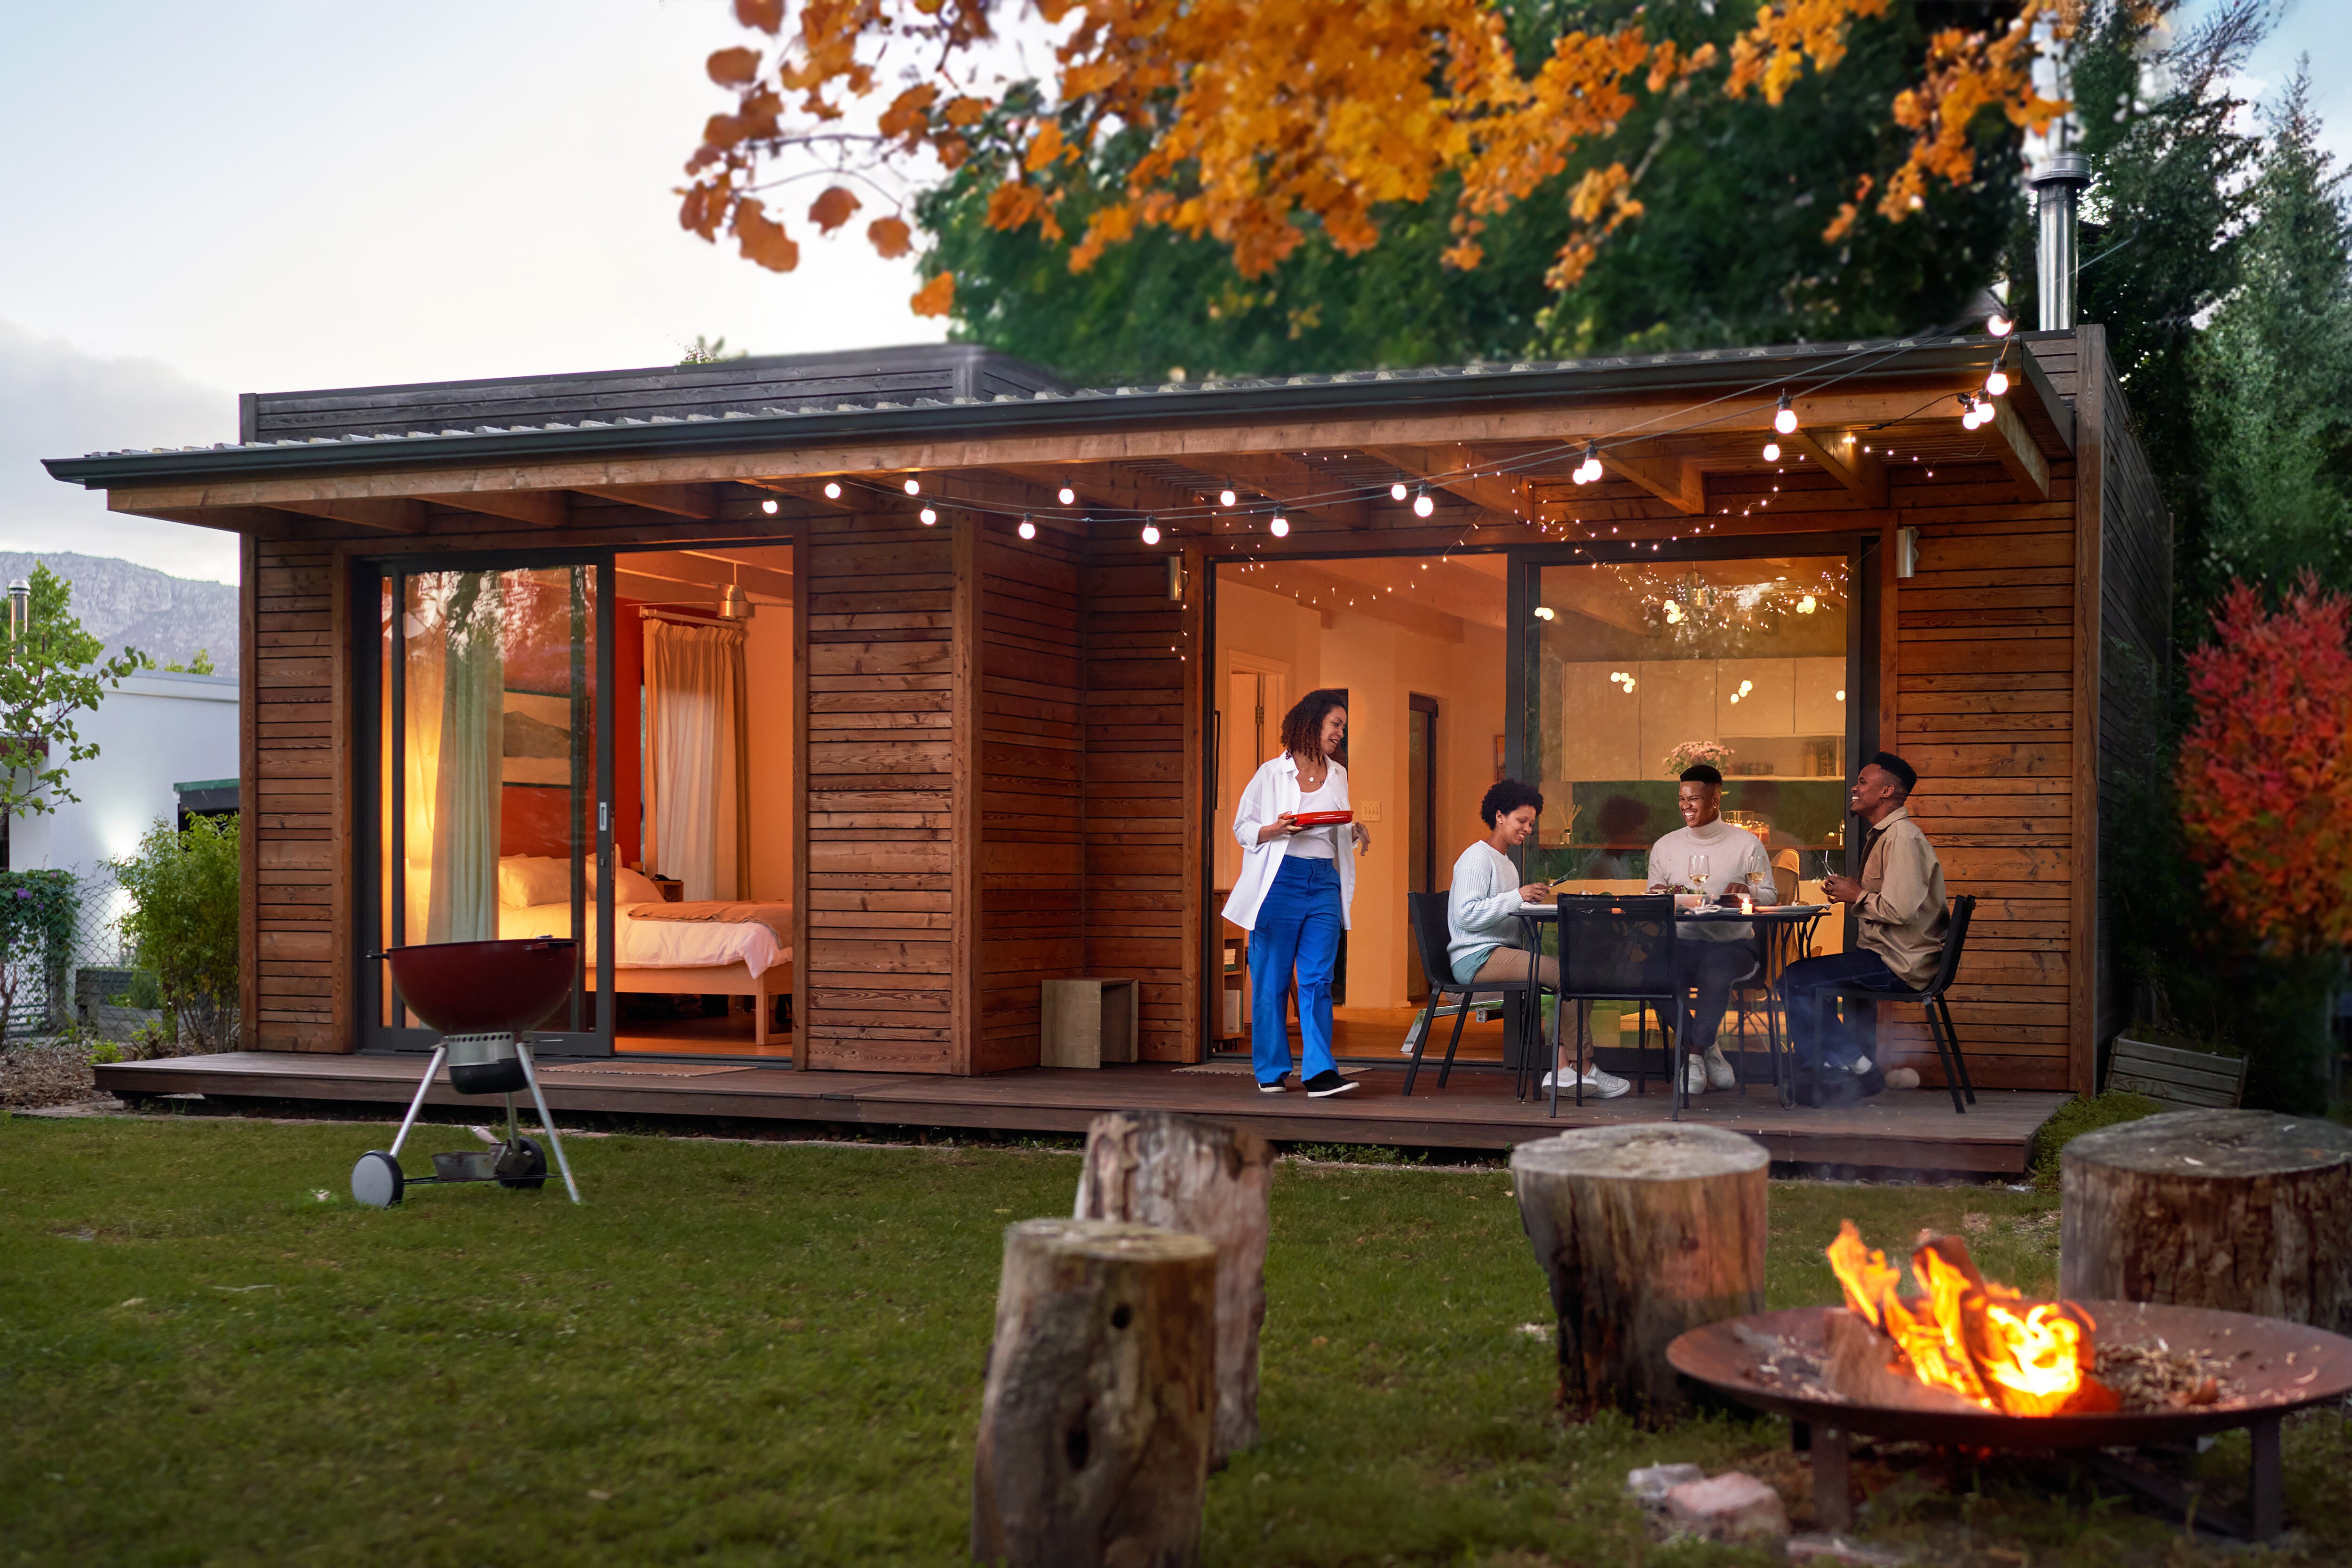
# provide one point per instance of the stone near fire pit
(1643, 1232)
(2245, 1210)
(1651, 1483)
(1732, 1507)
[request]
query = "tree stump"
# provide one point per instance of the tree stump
(1094, 1428)
(1151, 1167)
(1643, 1232)
(2245, 1210)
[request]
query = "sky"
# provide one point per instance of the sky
(254, 195)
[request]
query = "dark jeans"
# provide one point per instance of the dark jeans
(1815, 1028)
(1712, 967)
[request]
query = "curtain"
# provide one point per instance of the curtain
(698, 756)
(455, 740)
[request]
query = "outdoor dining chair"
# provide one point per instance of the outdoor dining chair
(1425, 913)
(1932, 1005)
(1616, 948)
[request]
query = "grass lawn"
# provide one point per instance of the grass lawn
(759, 1352)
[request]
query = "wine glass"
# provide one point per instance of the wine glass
(1701, 868)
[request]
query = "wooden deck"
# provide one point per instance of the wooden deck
(1914, 1130)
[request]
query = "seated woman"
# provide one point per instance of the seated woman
(1482, 912)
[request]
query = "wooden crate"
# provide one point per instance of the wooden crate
(2183, 1080)
(1087, 1022)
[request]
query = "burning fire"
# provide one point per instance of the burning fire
(1968, 1335)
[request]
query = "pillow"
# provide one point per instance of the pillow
(528, 879)
(634, 887)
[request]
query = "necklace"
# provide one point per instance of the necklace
(1307, 785)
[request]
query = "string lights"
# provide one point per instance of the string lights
(1397, 492)
(929, 516)
(1784, 418)
(769, 507)
(1422, 505)
(914, 487)
(1279, 527)
(832, 489)
(1151, 530)
(1226, 497)
(1028, 528)
(1771, 451)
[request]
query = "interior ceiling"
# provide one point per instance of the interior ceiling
(700, 575)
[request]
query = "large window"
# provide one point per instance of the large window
(1638, 670)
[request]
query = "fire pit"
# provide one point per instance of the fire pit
(2150, 1375)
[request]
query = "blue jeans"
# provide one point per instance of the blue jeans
(1297, 927)
(1821, 1037)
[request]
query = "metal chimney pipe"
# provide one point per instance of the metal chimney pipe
(2058, 189)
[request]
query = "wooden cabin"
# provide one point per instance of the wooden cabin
(965, 668)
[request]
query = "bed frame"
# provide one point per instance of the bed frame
(713, 980)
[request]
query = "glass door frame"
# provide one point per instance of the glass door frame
(1862, 630)
(371, 574)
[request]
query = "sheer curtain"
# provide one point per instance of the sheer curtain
(698, 765)
(455, 740)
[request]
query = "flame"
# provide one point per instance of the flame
(1966, 1334)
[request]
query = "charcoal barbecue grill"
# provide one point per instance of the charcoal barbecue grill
(2276, 1367)
(477, 995)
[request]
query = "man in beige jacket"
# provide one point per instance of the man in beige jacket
(1899, 927)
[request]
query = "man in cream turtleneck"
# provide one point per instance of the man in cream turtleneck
(1715, 954)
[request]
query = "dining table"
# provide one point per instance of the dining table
(1780, 929)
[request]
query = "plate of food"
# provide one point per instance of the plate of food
(1324, 818)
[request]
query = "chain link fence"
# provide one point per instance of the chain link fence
(94, 983)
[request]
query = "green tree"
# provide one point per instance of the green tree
(182, 923)
(2272, 377)
(1729, 247)
(51, 672)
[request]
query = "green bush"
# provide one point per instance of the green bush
(184, 923)
(2084, 1113)
(145, 993)
(36, 922)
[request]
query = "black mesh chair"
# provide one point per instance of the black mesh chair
(1617, 949)
(1432, 932)
(1930, 999)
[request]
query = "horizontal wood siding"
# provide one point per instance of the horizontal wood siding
(1031, 775)
(877, 925)
(1144, 889)
(297, 800)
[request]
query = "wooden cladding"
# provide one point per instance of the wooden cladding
(877, 900)
(296, 793)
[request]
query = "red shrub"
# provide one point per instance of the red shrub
(2266, 772)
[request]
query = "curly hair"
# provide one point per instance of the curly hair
(1302, 727)
(1505, 798)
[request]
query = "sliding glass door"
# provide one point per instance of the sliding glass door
(491, 779)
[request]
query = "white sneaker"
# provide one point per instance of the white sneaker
(1860, 1065)
(1694, 1075)
(1720, 1073)
(1598, 1085)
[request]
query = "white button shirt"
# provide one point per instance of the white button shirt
(1272, 791)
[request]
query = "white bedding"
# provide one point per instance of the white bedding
(656, 945)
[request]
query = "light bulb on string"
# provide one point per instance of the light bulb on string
(1999, 324)
(769, 507)
(930, 517)
(832, 490)
(1396, 491)
(1996, 382)
(1422, 505)
(1151, 530)
(1226, 497)
(1771, 451)
(1279, 527)
(914, 487)
(1068, 496)
(1784, 418)
(1028, 529)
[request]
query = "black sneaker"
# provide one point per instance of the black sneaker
(1326, 1084)
(1281, 1081)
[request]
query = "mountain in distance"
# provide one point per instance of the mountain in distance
(122, 604)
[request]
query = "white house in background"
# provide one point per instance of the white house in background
(156, 733)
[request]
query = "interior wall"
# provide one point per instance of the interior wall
(768, 695)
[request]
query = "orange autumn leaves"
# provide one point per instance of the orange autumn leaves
(1263, 114)
(2265, 775)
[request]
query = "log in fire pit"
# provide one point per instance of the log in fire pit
(1965, 1363)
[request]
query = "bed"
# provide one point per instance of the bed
(665, 955)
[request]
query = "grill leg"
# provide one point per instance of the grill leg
(546, 1120)
(431, 1071)
(1832, 1509)
(2268, 1502)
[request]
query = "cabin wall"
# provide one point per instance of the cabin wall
(878, 901)
(298, 803)
(1034, 909)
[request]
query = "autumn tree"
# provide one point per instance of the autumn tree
(1260, 120)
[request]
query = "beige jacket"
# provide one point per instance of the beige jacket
(1901, 916)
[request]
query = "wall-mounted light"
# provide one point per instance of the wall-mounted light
(1176, 579)
(1906, 551)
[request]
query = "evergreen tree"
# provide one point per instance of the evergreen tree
(2272, 378)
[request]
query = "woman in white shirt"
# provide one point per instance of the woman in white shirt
(1485, 936)
(1293, 892)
